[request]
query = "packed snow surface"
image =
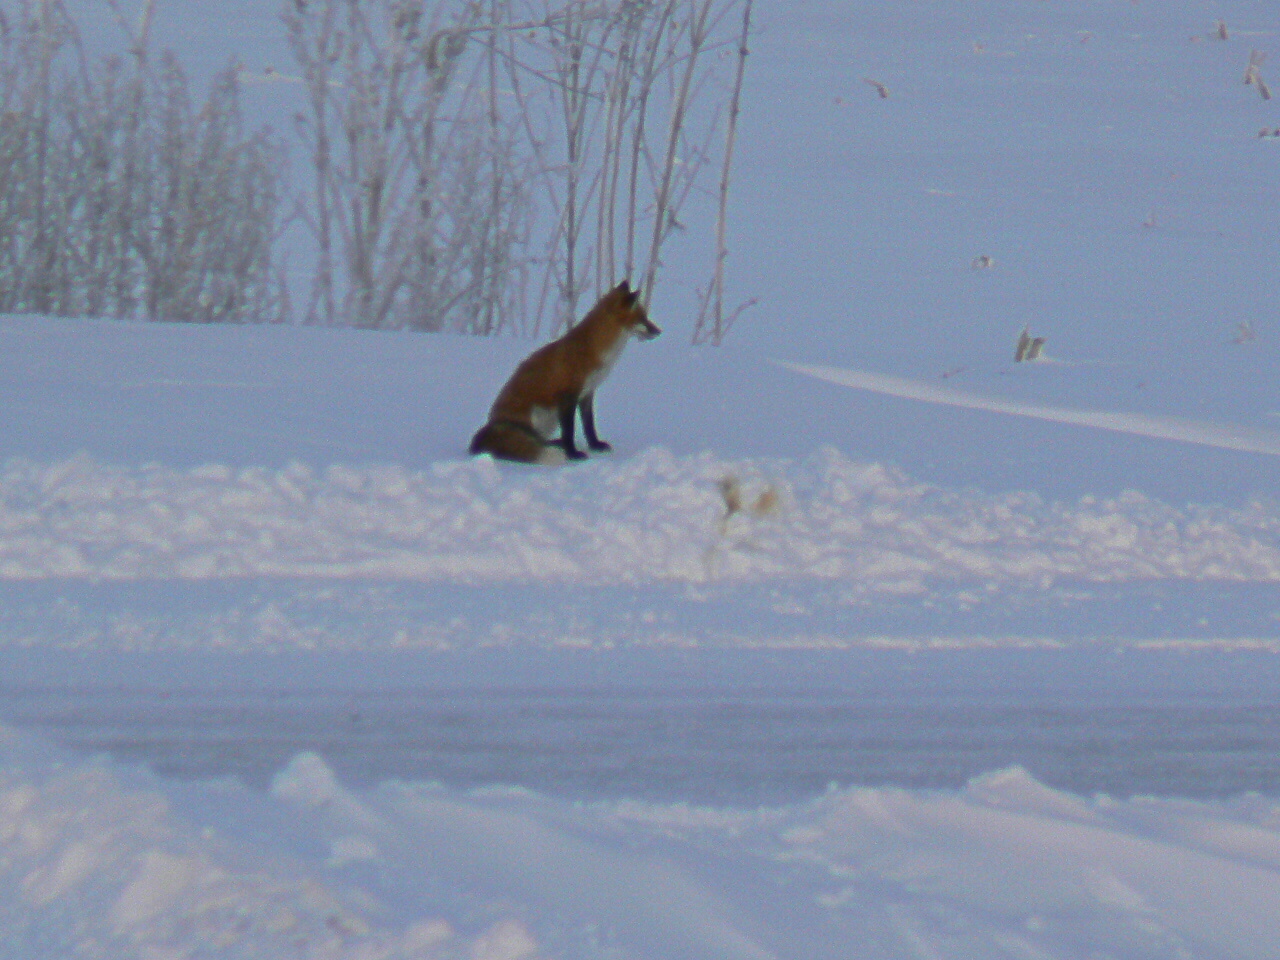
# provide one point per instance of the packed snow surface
(1096, 172)
(342, 512)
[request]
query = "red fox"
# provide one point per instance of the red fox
(559, 379)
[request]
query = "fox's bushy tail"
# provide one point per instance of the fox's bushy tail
(514, 441)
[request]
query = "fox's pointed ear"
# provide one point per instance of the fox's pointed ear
(623, 288)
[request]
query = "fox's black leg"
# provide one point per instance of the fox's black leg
(568, 410)
(588, 406)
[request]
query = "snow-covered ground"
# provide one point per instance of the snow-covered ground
(143, 455)
(169, 494)
(104, 862)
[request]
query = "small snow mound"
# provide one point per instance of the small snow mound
(1014, 788)
(158, 887)
(352, 849)
(306, 781)
(1014, 779)
(506, 940)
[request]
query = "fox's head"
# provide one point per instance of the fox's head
(630, 313)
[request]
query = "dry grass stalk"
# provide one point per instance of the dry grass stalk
(712, 323)
(666, 205)
(880, 88)
(766, 503)
(1253, 74)
(1244, 332)
(1029, 347)
(731, 493)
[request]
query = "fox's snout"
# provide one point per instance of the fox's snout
(646, 329)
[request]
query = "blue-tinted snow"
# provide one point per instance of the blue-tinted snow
(169, 492)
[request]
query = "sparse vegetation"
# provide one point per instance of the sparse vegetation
(1029, 347)
(1244, 333)
(475, 167)
(881, 90)
(1253, 74)
(736, 502)
(746, 510)
(118, 195)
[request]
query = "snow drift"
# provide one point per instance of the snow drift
(102, 861)
(653, 518)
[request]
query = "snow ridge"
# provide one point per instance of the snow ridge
(655, 518)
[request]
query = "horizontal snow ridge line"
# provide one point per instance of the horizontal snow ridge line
(656, 517)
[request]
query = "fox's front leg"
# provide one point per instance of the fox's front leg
(588, 407)
(568, 411)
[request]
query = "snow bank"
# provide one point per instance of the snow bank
(100, 861)
(655, 518)
(96, 861)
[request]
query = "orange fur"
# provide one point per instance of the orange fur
(559, 380)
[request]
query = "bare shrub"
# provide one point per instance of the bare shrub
(418, 199)
(713, 322)
(120, 198)
(471, 165)
(480, 167)
(622, 104)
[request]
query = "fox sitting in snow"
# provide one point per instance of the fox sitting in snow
(559, 379)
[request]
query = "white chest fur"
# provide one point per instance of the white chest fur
(596, 377)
